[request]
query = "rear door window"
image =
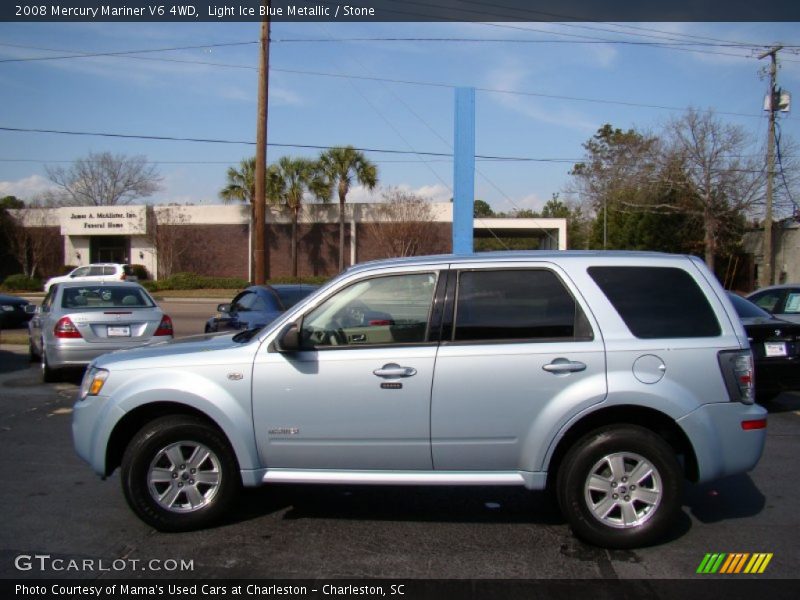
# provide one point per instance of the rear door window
(768, 300)
(657, 302)
(517, 304)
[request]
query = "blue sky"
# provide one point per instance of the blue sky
(141, 96)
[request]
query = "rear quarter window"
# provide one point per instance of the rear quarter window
(657, 302)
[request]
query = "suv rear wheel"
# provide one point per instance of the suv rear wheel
(179, 473)
(620, 487)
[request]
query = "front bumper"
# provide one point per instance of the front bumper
(92, 422)
(722, 447)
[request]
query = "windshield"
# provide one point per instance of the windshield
(748, 310)
(105, 296)
(291, 296)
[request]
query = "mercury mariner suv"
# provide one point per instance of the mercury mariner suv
(609, 378)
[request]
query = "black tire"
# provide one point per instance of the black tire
(627, 517)
(33, 356)
(150, 450)
(49, 374)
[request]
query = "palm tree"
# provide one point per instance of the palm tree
(242, 187)
(290, 179)
(340, 165)
(241, 183)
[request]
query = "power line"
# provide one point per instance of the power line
(115, 53)
(676, 43)
(421, 83)
(275, 144)
(449, 155)
(556, 19)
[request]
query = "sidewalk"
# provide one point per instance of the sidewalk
(37, 298)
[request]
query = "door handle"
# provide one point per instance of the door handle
(563, 365)
(393, 370)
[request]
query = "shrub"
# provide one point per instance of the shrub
(140, 272)
(193, 281)
(23, 283)
(66, 269)
(312, 280)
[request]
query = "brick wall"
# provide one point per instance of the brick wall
(221, 250)
(317, 249)
(217, 250)
(436, 239)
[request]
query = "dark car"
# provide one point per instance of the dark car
(783, 301)
(256, 306)
(12, 312)
(776, 348)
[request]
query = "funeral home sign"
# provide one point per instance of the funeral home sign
(103, 220)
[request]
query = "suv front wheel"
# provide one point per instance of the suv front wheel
(620, 487)
(179, 473)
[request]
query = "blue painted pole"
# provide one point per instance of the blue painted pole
(464, 171)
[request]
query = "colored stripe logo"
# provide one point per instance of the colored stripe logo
(734, 563)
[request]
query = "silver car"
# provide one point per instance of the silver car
(609, 378)
(79, 321)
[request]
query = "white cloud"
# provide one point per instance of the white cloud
(604, 55)
(432, 193)
(510, 78)
(27, 188)
(361, 194)
(530, 201)
(282, 96)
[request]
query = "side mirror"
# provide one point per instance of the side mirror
(31, 309)
(289, 339)
(224, 308)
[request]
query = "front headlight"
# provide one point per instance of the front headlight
(93, 382)
(6, 307)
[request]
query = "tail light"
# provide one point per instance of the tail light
(165, 327)
(65, 329)
(739, 374)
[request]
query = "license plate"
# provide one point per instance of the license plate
(775, 348)
(119, 331)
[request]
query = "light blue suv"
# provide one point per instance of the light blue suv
(606, 377)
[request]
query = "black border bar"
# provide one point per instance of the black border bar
(400, 10)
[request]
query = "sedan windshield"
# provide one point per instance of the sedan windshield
(106, 296)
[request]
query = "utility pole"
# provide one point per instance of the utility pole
(259, 214)
(767, 275)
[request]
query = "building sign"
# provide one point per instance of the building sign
(103, 220)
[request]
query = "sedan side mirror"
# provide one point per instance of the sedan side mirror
(224, 308)
(31, 309)
(289, 339)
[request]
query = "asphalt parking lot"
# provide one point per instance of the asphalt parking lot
(54, 505)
